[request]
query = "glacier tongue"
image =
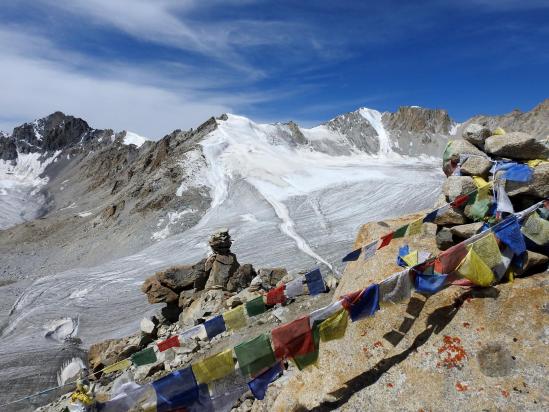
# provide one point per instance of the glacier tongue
(374, 118)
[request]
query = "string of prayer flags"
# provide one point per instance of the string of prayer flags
(176, 390)
(255, 355)
(295, 288)
(171, 342)
(415, 227)
(536, 229)
(325, 312)
(400, 232)
(429, 283)
(259, 384)
(118, 366)
(302, 361)
(144, 357)
(474, 269)
(334, 327)
(352, 256)
(275, 296)
(449, 260)
(506, 258)
(235, 318)
(315, 282)
(487, 249)
(214, 326)
(255, 306)
(369, 250)
(366, 304)
(396, 288)
(508, 232)
(385, 240)
(293, 339)
(214, 367)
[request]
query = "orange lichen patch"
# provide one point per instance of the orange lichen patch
(390, 385)
(505, 393)
(452, 353)
(461, 387)
(378, 344)
(480, 329)
(466, 324)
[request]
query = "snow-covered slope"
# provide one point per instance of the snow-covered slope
(134, 138)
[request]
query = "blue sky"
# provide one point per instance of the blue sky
(154, 66)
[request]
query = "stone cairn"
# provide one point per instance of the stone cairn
(472, 156)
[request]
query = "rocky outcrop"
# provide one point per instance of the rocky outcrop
(517, 145)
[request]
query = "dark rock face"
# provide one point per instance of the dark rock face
(418, 119)
(8, 149)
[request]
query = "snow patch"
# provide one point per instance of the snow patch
(454, 129)
(135, 139)
(171, 219)
(193, 165)
(85, 214)
(374, 118)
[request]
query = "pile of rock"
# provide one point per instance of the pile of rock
(473, 156)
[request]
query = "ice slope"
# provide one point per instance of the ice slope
(285, 204)
(134, 138)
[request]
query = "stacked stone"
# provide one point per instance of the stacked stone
(476, 150)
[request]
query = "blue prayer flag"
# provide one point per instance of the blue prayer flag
(518, 173)
(429, 283)
(315, 283)
(402, 251)
(430, 217)
(176, 390)
(215, 326)
(508, 231)
(259, 385)
(203, 403)
(366, 304)
(352, 256)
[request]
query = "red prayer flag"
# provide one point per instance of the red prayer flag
(168, 343)
(293, 339)
(460, 201)
(463, 282)
(276, 295)
(450, 259)
(385, 240)
(350, 298)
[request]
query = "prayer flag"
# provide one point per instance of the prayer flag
(295, 288)
(293, 339)
(536, 162)
(144, 357)
(214, 367)
(255, 306)
(235, 318)
(214, 326)
(460, 201)
(334, 327)
(275, 296)
(487, 249)
(449, 260)
(506, 259)
(402, 251)
(475, 270)
(429, 283)
(396, 288)
(518, 173)
(176, 390)
(369, 250)
(259, 385)
(479, 209)
(536, 229)
(415, 227)
(315, 282)
(325, 312)
(508, 232)
(352, 256)
(171, 342)
(385, 240)
(118, 366)
(430, 217)
(400, 232)
(254, 355)
(503, 202)
(411, 259)
(302, 361)
(366, 304)
(197, 331)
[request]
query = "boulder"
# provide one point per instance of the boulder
(537, 187)
(476, 134)
(221, 269)
(271, 276)
(535, 263)
(454, 149)
(208, 303)
(241, 278)
(111, 351)
(516, 145)
(476, 166)
(448, 216)
(466, 231)
(444, 238)
(455, 186)
(158, 293)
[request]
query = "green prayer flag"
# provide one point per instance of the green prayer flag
(144, 357)
(478, 210)
(255, 355)
(255, 306)
(400, 232)
(302, 361)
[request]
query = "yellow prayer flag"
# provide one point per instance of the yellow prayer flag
(534, 163)
(235, 318)
(415, 227)
(498, 131)
(118, 366)
(473, 268)
(215, 367)
(411, 258)
(487, 249)
(334, 327)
